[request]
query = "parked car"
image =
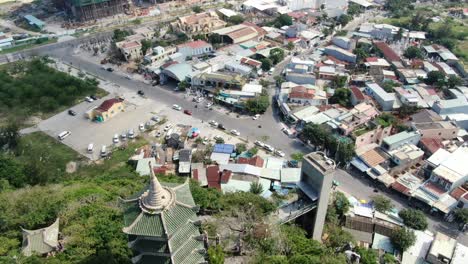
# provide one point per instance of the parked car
(213, 123)
(141, 127)
(176, 107)
(235, 132)
(268, 147)
(140, 92)
(123, 136)
(255, 117)
(88, 99)
(71, 112)
(286, 131)
(279, 153)
(217, 137)
(115, 139)
(94, 97)
(205, 141)
(131, 134)
(259, 143)
(221, 126)
(103, 152)
(90, 148)
(110, 69)
(208, 105)
(187, 112)
(155, 118)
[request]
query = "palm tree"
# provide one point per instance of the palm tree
(256, 188)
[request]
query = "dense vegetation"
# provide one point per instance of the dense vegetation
(31, 87)
(342, 151)
(86, 201)
(414, 219)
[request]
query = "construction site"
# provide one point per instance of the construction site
(88, 10)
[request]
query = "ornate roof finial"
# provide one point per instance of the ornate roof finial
(157, 197)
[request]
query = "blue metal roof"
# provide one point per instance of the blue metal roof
(34, 20)
(223, 148)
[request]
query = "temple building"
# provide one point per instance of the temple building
(41, 241)
(161, 224)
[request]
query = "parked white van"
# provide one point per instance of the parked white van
(63, 135)
(90, 148)
(103, 151)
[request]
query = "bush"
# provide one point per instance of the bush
(216, 254)
(414, 218)
(257, 105)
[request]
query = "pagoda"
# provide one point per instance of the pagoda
(161, 224)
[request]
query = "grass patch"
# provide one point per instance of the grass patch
(31, 88)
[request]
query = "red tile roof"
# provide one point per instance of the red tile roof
(302, 92)
(297, 15)
(357, 93)
(225, 176)
(337, 61)
(160, 170)
(251, 62)
(194, 44)
(212, 176)
(195, 174)
(431, 144)
(433, 188)
(400, 188)
(107, 104)
(372, 59)
(388, 52)
(254, 161)
(458, 193)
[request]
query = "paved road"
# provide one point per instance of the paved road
(249, 129)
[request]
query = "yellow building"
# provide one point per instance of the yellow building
(108, 109)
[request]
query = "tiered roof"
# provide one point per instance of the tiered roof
(162, 218)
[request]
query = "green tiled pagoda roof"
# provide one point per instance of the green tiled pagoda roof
(173, 225)
(188, 253)
(155, 259)
(184, 195)
(177, 217)
(180, 237)
(145, 245)
(146, 225)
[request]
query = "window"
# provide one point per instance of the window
(440, 133)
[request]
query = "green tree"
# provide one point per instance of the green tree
(461, 215)
(454, 81)
(220, 140)
(315, 134)
(388, 86)
(145, 45)
(344, 19)
(361, 54)
(341, 96)
(282, 20)
(257, 105)
(297, 156)
(413, 218)
(215, 38)
(206, 198)
(266, 64)
(434, 77)
(389, 259)
(9, 135)
(183, 85)
(237, 19)
(339, 81)
(256, 188)
(386, 119)
(197, 9)
(368, 256)
(240, 147)
(216, 255)
(290, 45)
(253, 151)
(382, 203)
(403, 238)
(12, 171)
(341, 203)
(345, 152)
(119, 35)
(337, 237)
(199, 37)
(407, 110)
(276, 55)
(413, 52)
